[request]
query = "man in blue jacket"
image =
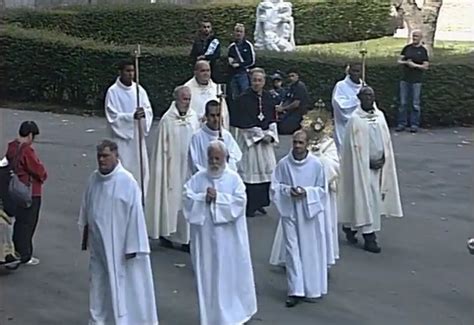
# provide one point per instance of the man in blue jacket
(241, 60)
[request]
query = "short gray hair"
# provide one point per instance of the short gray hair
(257, 70)
(178, 90)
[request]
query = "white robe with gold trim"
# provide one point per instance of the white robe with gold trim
(169, 172)
(365, 194)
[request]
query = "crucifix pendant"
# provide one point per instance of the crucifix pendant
(260, 116)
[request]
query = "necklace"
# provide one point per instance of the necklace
(260, 116)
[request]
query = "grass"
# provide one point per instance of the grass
(385, 47)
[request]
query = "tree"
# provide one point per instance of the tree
(422, 15)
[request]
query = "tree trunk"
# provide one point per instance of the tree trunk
(424, 18)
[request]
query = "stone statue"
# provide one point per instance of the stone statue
(274, 27)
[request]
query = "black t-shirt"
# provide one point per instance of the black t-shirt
(418, 55)
(297, 91)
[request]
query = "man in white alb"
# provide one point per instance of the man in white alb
(214, 205)
(368, 183)
(318, 125)
(298, 190)
(345, 101)
(113, 225)
(170, 170)
(123, 118)
(209, 132)
(203, 89)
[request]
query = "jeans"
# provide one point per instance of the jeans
(239, 83)
(407, 89)
(24, 228)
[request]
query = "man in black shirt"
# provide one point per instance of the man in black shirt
(206, 46)
(414, 61)
(294, 106)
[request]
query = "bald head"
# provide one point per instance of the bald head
(300, 144)
(416, 37)
(366, 96)
(202, 72)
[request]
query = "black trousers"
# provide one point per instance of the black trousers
(289, 124)
(24, 228)
(258, 196)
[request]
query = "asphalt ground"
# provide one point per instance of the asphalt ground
(424, 274)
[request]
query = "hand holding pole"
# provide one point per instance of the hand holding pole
(137, 54)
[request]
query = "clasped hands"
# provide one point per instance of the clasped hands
(211, 194)
(298, 192)
(266, 140)
(411, 64)
(139, 113)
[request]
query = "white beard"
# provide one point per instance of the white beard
(216, 173)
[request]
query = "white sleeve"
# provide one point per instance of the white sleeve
(195, 207)
(229, 207)
(122, 124)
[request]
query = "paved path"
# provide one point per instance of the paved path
(423, 276)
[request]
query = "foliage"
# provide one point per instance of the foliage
(67, 70)
(167, 25)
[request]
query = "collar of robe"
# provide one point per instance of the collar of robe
(174, 113)
(105, 177)
(125, 87)
(351, 83)
(298, 162)
(210, 131)
(200, 85)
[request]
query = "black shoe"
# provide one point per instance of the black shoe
(400, 128)
(292, 301)
(250, 214)
(186, 248)
(414, 129)
(350, 235)
(262, 211)
(370, 243)
(166, 243)
(311, 300)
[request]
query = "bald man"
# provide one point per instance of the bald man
(203, 89)
(414, 61)
(368, 186)
(299, 191)
(214, 205)
(169, 172)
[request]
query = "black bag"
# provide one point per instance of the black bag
(19, 192)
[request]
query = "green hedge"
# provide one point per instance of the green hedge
(45, 66)
(165, 25)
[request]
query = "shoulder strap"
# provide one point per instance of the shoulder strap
(15, 162)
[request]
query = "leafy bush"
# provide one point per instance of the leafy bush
(46, 66)
(165, 25)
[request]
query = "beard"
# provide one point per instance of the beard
(216, 171)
